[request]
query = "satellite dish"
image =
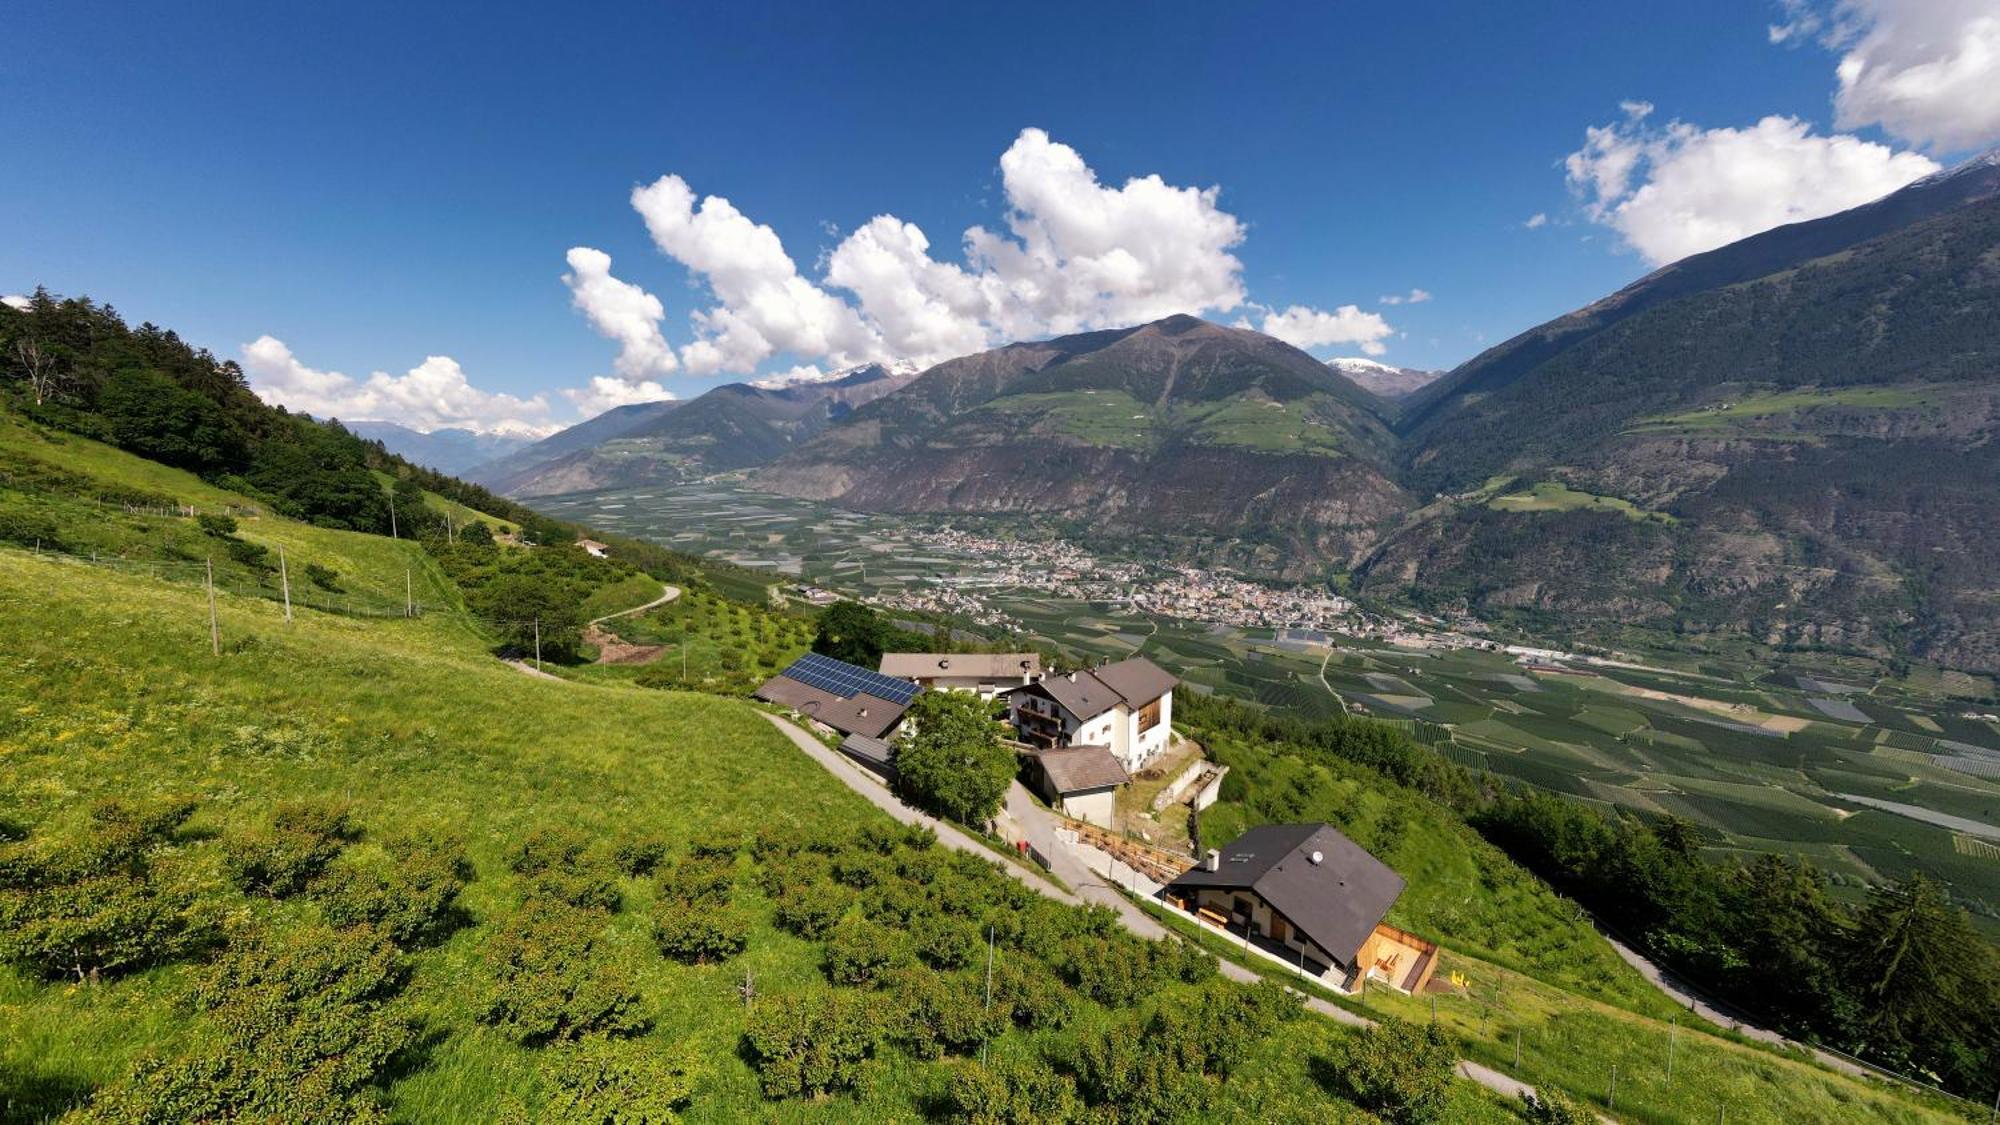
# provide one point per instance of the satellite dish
(1318, 857)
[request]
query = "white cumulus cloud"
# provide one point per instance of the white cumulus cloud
(1302, 327)
(604, 392)
(433, 395)
(1074, 254)
(622, 312)
(1927, 71)
(1537, 221)
(1680, 189)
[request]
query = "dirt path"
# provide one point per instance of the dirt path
(613, 649)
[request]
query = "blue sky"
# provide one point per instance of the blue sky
(356, 189)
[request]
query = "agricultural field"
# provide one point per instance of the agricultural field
(1817, 755)
(1552, 496)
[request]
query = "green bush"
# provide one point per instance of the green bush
(699, 879)
(303, 838)
(699, 933)
(1011, 1092)
(933, 1015)
(413, 897)
(811, 909)
(105, 899)
(253, 555)
(859, 952)
(216, 524)
(955, 764)
(324, 577)
(304, 1026)
(1550, 1106)
(600, 1081)
(558, 863)
(639, 856)
(811, 1043)
(946, 942)
(1400, 1071)
(548, 983)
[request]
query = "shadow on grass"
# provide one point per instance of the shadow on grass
(28, 1096)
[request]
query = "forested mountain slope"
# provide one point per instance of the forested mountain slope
(1179, 426)
(1807, 455)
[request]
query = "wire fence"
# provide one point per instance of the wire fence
(274, 589)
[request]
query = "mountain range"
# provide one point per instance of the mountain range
(449, 451)
(1790, 437)
(734, 426)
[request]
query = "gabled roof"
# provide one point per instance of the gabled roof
(1336, 902)
(843, 696)
(1077, 769)
(1087, 694)
(985, 665)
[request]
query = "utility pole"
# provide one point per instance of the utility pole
(285, 580)
(748, 989)
(1517, 1051)
(1673, 1032)
(1611, 1099)
(987, 1041)
(538, 643)
(409, 603)
(392, 517)
(214, 628)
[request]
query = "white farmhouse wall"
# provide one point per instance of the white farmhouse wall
(1099, 808)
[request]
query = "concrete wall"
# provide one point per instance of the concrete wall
(1099, 807)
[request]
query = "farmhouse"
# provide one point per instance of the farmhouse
(1313, 897)
(595, 549)
(843, 697)
(1125, 707)
(989, 674)
(1081, 782)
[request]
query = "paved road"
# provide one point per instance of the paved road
(667, 594)
(1039, 825)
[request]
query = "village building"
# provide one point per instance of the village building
(839, 696)
(1311, 897)
(1126, 707)
(988, 674)
(594, 549)
(1080, 782)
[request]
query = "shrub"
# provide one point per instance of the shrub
(1550, 1106)
(413, 897)
(640, 856)
(216, 524)
(1114, 972)
(1125, 1068)
(303, 838)
(860, 951)
(699, 933)
(253, 555)
(934, 1015)
(102, 900)
(1011, 1092)
(601, 1081)
(557, 864)
(811, 909)
(323, 577)
(811, 1043)
(945, 942)
(305, 1028)
(1400, 1071)
(699, 880)
(549, 985)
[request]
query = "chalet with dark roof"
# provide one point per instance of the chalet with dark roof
(1307, 894)
(1126, 707)
(843, 697)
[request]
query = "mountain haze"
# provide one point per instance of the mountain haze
(448, 451)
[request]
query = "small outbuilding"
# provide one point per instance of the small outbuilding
(1081, 782)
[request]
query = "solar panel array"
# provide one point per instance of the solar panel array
(847, 680)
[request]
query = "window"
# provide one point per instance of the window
(1149, 716)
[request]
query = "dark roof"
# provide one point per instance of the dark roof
(861, 714)
(871, 752)
(1336, 902)
(1090, 693)
(1138, 680)
(1080, 768)
(848, 680)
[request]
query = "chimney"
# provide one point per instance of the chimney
(1072, 677)
(1212, 861)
